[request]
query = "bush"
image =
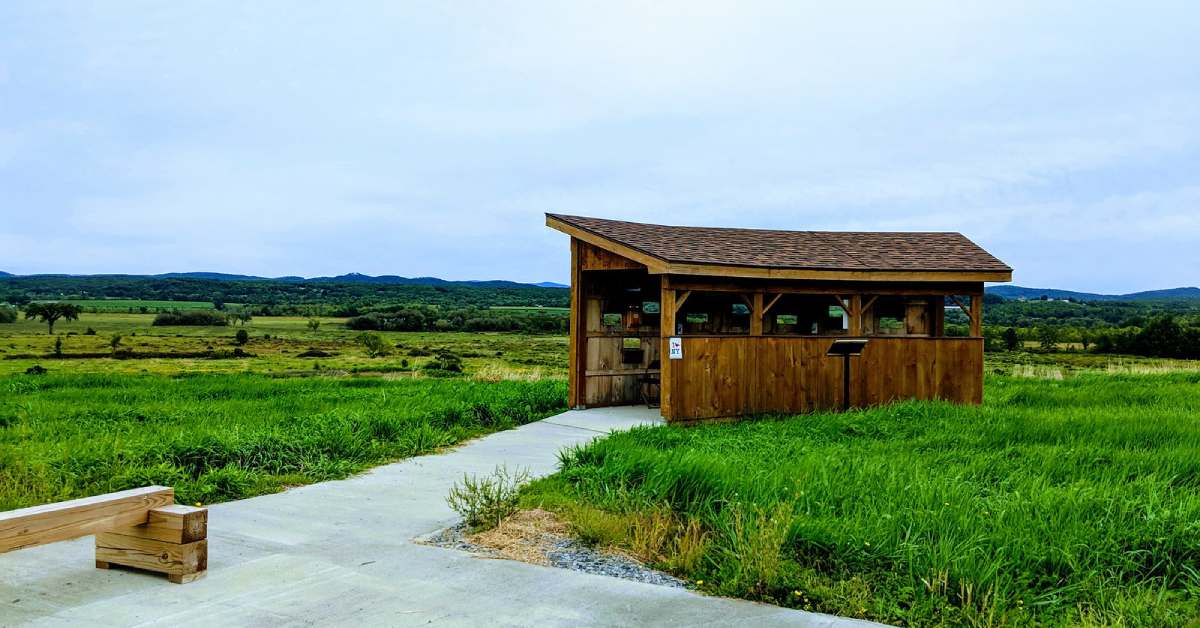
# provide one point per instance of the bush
(8, 314)
(373, 343)
(483, 502)
(241, 337)
(190, 317)
(445, 360)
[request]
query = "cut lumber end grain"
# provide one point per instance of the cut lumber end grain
(175, 523)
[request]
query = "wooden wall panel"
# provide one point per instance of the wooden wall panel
(595, 258)
(726, 377)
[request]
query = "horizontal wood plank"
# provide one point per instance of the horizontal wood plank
(150, 554)
(49, 523)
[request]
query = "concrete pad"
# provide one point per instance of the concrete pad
(341, 553)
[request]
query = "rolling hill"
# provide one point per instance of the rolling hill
(1018, 292)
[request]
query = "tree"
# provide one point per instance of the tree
(8, 314)
(241, 337)
(373, 343)
(1048, 337)
(1011, 340)
(314, 324)
(115, 342)
(1085, 338)
(50, 313)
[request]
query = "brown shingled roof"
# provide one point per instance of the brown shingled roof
(816, 250)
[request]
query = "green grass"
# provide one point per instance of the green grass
(275, 342)
(227, 436)
(1056, 502)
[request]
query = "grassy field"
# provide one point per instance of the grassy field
(1069, 497)
(226, 436)
(275, 347)
(1069, 501)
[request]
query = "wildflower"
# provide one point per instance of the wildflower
(699, 582)
(198, 504)
(867, 543)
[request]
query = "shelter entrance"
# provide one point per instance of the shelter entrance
(622, 319)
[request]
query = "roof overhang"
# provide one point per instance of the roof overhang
(658, 266)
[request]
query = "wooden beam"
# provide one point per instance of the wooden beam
(756, 314)
(871, 301)
(49, 523)
(917, 276)
(667, 309)
(771, 303)
(679, 300)
(577, 342)
(182, 562)
(977, 315)
(173, 524)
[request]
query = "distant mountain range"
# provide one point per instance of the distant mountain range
(341, 279)
(1018, 292)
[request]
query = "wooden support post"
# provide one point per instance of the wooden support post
(756, 314)
(577, 342)
(977, 315)
(855, 313)
(667, 310)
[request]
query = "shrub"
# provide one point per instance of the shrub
(241, 337)
(190, 317)
(484, 501)
(313, 324)
(373, 343)
(90, 332)
(445, 360)
(8, 314)
(36, 369)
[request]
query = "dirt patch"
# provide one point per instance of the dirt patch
(542, 538)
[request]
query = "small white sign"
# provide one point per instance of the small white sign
(675, 348)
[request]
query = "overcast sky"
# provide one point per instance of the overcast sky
(281, 138)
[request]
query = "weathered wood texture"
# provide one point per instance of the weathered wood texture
(577, 330)
(732, 376)
(596, 258)
(172, 559)
(175, 523)
(49, 523)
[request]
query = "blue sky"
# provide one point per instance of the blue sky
(278, 138)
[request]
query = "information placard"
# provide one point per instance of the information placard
(675, 348)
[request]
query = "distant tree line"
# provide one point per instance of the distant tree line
(427, 318)
(276, 294)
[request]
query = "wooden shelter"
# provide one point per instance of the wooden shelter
(720, 322)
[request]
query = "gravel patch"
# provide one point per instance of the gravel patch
(559, 551)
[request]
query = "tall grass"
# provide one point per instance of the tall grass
(1057, 501)
(219, 437)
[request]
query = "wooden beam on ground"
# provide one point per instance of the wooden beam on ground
(173, 524)
(182, 562)
(49, 523)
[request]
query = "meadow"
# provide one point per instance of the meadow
(1069, 497)
(226, 436)
(1071, 501)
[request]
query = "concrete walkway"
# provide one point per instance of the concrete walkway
(339, 553)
